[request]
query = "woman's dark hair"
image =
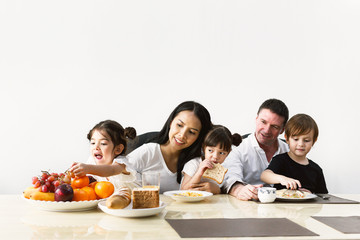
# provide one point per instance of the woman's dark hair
(115, 131)
(222, 135)
(194, 150)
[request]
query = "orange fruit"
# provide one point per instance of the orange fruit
(90, 192)
(80, 195)
(79, 182)
(92, 185)
(104, 189)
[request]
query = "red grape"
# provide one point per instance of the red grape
(37, 184)
(34, 180)
(48, 182)
(56, 183)
(44, 188)
(51, 178)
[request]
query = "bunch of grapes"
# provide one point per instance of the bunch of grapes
(49, 181)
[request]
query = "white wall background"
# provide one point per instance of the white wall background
(66, 65)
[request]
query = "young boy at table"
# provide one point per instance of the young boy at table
(293, 169)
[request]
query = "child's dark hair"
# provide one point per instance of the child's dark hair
(301, 124)
(222, 135)
(115, 131)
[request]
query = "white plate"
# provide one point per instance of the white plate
(130, 212)
(307, 197)
(175, 195)
(63, 206)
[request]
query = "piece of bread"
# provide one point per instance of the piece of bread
(217, 173)
(145, 198)
(121, 199)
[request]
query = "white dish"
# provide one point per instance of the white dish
(64, 206)
(307, 197)
(176, 195)
(130, 212)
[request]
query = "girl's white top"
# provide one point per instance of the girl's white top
(191, 168)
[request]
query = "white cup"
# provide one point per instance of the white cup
(151, 180)
(267, 194)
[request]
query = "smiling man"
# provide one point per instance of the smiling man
(247, 161)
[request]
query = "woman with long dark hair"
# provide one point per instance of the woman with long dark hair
(179, 141)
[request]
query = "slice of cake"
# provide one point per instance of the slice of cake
(145, 197)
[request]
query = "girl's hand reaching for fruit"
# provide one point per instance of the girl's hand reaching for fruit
(79, 169)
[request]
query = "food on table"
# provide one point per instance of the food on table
(64, 193)
(47, 182)
(61, 187)
(28, 191)
(79, 182)
(121, 199)
(189, 194)
(80, 195)
(91, 179)
(290, 193)
(42, 196)
(104, 189)
(91, 195)
(145, 198)
(217, 173)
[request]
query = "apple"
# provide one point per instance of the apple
(64, 192)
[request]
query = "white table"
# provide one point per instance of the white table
(20, 220)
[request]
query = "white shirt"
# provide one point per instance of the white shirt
(247, 161)
(191, 167)
(148, 158)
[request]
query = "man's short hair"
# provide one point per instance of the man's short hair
(276, 106)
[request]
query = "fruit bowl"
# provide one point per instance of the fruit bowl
(63, 206)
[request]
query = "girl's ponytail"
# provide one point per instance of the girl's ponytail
(236, 139)
(130, 133)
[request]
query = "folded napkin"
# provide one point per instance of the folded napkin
(342, 224)
(237, 227)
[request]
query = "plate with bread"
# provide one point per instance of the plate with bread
(187, 195)
(293, 195)
(129, 211)
(139, 202)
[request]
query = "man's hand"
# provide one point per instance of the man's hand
(245, 192)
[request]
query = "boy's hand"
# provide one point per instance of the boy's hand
(290, 183)
(304, 190)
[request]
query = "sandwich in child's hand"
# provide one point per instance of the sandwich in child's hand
(217, 173)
